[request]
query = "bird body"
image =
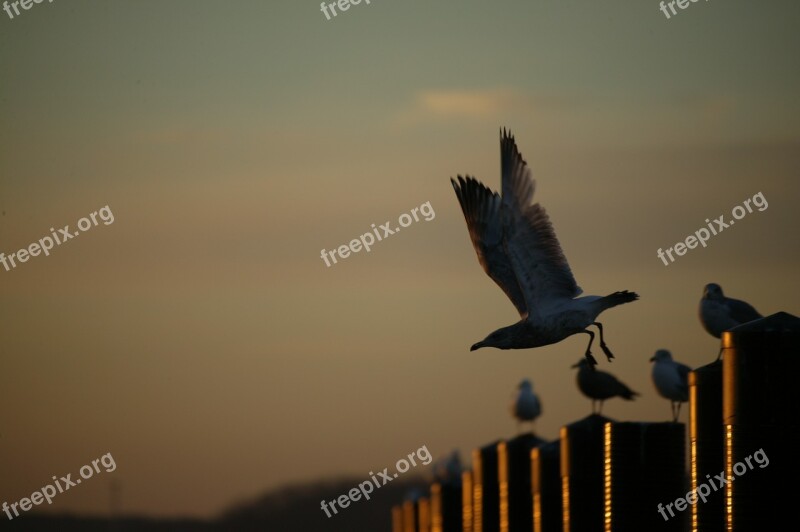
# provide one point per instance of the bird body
(671, 380)
(517, 247)
(526, 405)
(719, 313)
(599, 385)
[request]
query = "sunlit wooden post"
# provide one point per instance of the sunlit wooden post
(581, 470)
(760, 368)
(644, 466)
(424, 515)
(706, 444)
(410, 516)
(446, 502)
(467, 511)
(485, 489)
(397, 518)
(514, 480)
(546, 487)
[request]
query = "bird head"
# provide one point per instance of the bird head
(526, 384)
(661, 354)
(712, 291)
(583, 363)
(501, 339)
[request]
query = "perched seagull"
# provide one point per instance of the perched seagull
(518, 249)
(448, 469)
(598, 385)
(719, 313)
(671, 380)
(525, 405)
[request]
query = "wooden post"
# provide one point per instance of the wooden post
(546, 487)
(582, 458)
(485, 489)
(514, 482)
(706, 444)
(760, 367)
(644, 467)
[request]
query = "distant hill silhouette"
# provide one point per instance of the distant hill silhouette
(293, 508)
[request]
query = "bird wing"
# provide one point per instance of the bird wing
(742, 311)
(540, 266)
(539, 263)
(517, 184)
(481, 209)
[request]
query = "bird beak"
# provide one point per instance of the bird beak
(653, 359)
(476, 346)
(575, 365)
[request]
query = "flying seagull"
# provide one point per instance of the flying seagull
(719, 313)
(671, 380)
(518, 249)
(525, 405)
(598, 385)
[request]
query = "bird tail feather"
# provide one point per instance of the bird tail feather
(618, 298)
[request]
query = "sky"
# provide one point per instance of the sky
(201, 339)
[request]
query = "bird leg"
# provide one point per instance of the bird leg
(603, 345)
(677, 411)
(588, 353)
(719, 355)
(600, 410)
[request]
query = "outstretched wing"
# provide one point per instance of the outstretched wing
(539, 264)
(481, 209)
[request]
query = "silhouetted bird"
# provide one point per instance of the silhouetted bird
(671, 380)
(518, 249)
(719, 313)
(598, 385)
(448, 469)
(525, 405)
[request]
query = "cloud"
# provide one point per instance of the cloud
(440, 105)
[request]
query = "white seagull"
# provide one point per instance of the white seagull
(598, 385)
(518, 249)
(525, 405)
(671, 380)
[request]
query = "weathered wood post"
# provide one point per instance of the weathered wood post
(644, 471)
(514, 480)
(446, 502)
(760, 367)
(582, 458)
(706, 444)
(485, 489)
(546, 487)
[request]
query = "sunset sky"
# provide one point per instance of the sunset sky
(200, 338)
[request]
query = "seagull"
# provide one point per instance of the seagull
(525, 405)
(719, 313)
(518, 249)
(598, 385)
(671, 380)
(448, 469)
